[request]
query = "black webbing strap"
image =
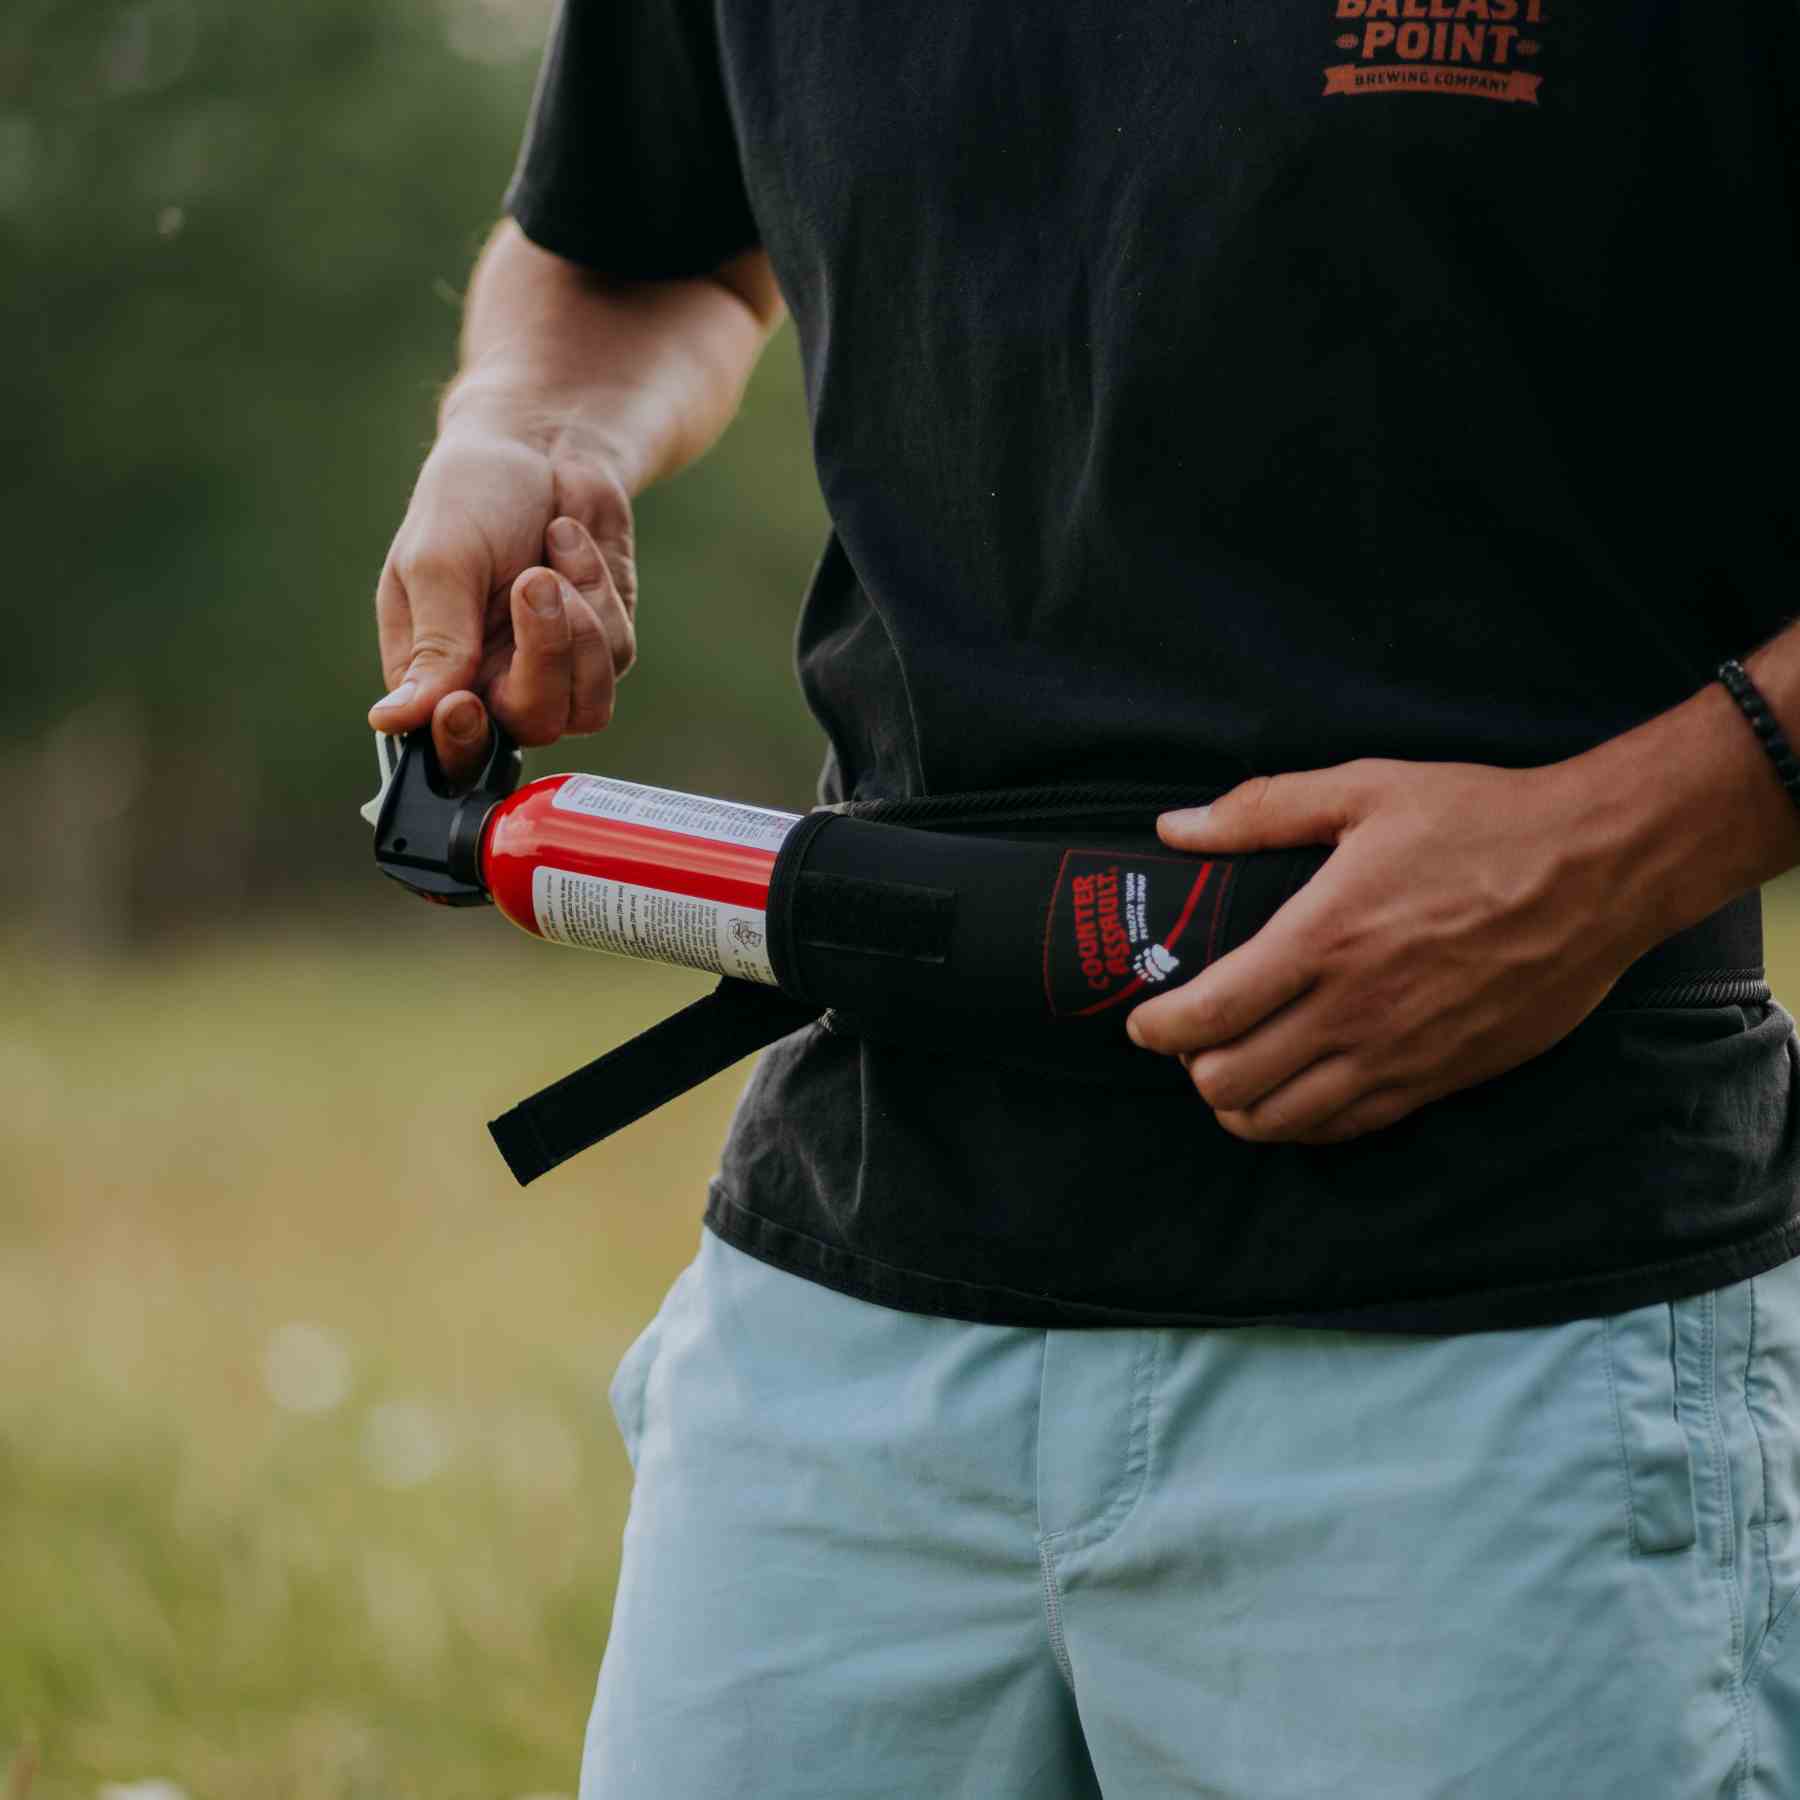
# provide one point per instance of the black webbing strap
(680, 1052)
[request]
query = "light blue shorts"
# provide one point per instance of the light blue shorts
(874, 1553)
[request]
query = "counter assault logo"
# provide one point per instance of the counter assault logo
(1116, 923)
(1483, 48)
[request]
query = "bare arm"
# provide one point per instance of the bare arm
(1699, 812)
(650, 372)
(512, 580)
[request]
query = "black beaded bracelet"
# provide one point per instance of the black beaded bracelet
(1764, 723)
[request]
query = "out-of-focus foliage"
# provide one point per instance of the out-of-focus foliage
(231, 244)
(307, 1485)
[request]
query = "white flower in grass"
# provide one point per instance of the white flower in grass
(405, 1443)
(403, 1607)
(306, 1369)
(142, 1790)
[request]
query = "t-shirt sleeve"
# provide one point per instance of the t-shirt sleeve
(630, 162)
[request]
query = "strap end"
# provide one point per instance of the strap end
(517, 1140)
(543, 1132)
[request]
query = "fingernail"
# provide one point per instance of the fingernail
(400, 696)
(463, 720)
(543, 594)
(1132, 1031)
(565, 535)
(1186, 818)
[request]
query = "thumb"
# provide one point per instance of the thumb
(1272, 812)
(431, 609)
(459, 734)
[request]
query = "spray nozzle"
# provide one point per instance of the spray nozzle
(427, 833)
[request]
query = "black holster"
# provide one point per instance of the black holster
(1039, 918)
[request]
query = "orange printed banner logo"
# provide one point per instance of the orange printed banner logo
(1436, 78)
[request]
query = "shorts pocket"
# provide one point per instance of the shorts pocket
(627, 1388)
(1653, 1443)
(1775, 1640)
(1772, 1693)
(630, 1386)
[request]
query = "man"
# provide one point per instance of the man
(1345, 410)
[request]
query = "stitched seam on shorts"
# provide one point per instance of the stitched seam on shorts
(1707, 1307)
(1612, 1388)
(1137, 1457)
(1759, 1528)
(1059, 1648)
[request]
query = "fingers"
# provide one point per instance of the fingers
(1329, 1103)
(552, 674)
(459, 733)
(531, 696)
(1274, 812)
(1233, 1077)
(575, 554)
(600, 630)
(1374, 1112)
(393, 626)
(429, 607)
(1307, 1102)
(567, 619)
(1227, 998)
(560, 676)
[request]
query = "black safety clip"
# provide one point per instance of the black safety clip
(427, 833)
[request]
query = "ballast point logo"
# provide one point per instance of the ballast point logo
(1481, 48)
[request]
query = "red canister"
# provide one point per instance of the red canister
(640, 871)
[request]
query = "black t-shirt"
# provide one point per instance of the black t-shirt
(1206, 390)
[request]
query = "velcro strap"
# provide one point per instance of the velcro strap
(674, 1055)
(879, 918)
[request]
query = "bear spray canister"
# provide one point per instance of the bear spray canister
(640, 871)
(584, 859)
(1038, 942)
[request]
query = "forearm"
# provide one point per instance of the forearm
(644, 375)
(1686, 809)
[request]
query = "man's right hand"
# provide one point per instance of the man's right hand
(510, 587)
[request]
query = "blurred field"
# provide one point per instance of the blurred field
(308, 1486)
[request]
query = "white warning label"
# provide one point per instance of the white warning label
(724, 821)
(645, 922)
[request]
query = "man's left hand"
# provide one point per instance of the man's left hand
(1466, 921)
